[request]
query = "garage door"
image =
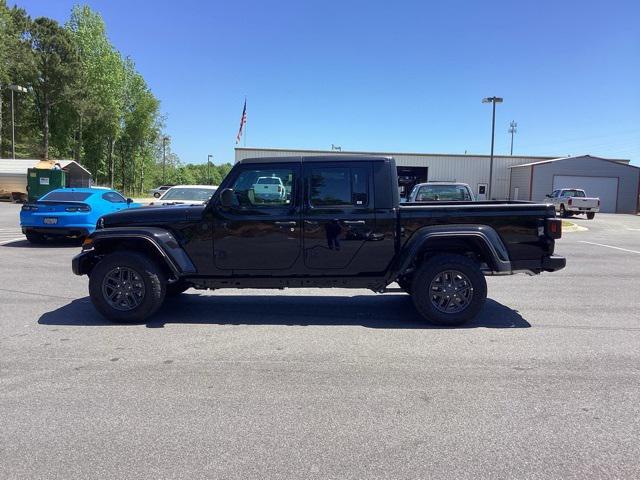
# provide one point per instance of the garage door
(604, 187)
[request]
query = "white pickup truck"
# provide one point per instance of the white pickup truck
(573, 201)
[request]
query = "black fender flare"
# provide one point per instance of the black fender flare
(160, 240)
(421, 238)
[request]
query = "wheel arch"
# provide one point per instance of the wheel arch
(158, 244)
(480, 241)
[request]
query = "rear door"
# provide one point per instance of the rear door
(338, 213)
(262, 230)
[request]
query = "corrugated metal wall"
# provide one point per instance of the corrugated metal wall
(520, 179)
(471, 169)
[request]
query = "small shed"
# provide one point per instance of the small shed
(616, 183)
(13, 175)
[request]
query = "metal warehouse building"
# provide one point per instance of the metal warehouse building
(614, 182)
(509, 180)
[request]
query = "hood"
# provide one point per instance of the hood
(152, 216)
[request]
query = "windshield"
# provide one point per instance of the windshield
(189, 194)
(443, 192)
(60, 196)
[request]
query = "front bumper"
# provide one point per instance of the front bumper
(553, 263)
(83, 262)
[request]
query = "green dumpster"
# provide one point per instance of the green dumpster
(41, 181)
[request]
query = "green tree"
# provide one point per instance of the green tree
(99, 108)
(54, 82)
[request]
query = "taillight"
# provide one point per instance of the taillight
(29, 208)
(279, 189)
(570, 201)
(598, 202)
(553, 227)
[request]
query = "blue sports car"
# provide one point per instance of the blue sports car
(69, 212)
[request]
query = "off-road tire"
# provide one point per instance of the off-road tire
(151, 274)
(428, 273)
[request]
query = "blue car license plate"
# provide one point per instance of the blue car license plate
(50, 220)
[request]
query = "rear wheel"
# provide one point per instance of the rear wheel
(563, 212)
(35, 238)
(591, 215)
(449, 290)
(127, 287)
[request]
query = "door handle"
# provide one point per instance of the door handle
(286, 224)
(354, 222)
(311, 223)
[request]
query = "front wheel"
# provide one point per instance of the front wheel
(449, 290)
(127, 287)
(591, 215)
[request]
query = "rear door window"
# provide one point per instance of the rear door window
(339, 186)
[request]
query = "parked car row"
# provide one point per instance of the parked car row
(74, 212)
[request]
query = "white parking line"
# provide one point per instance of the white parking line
(610, 246)
(2, 242)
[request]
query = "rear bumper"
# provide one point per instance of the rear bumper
(63, 231)
(573, 209)
(553, 263)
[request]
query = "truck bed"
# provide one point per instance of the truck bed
(516, 222)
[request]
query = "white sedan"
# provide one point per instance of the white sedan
(186, 194)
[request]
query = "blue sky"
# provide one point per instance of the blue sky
(385, 76)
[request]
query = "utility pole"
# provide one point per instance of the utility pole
(513, 128)
(492, 100)
(14, 88)
(209, 157)
(164, 159)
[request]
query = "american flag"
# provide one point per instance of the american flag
(243, 121)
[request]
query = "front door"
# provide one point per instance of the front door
(262, 230)
(339, 215)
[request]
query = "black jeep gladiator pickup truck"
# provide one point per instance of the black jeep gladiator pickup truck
(316, 222)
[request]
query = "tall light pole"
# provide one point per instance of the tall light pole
(164, 159)
(209, 157)
(513, 128)
(14, 88)
(492, 100)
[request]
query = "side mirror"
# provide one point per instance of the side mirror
(226, 198)
(548, 195)
(129, 201)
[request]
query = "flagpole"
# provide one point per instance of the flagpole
(245, 124)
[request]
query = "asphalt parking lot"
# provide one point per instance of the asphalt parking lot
(325, 383)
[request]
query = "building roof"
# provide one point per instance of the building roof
(617, 161)
(384, 154)
(20, 166)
